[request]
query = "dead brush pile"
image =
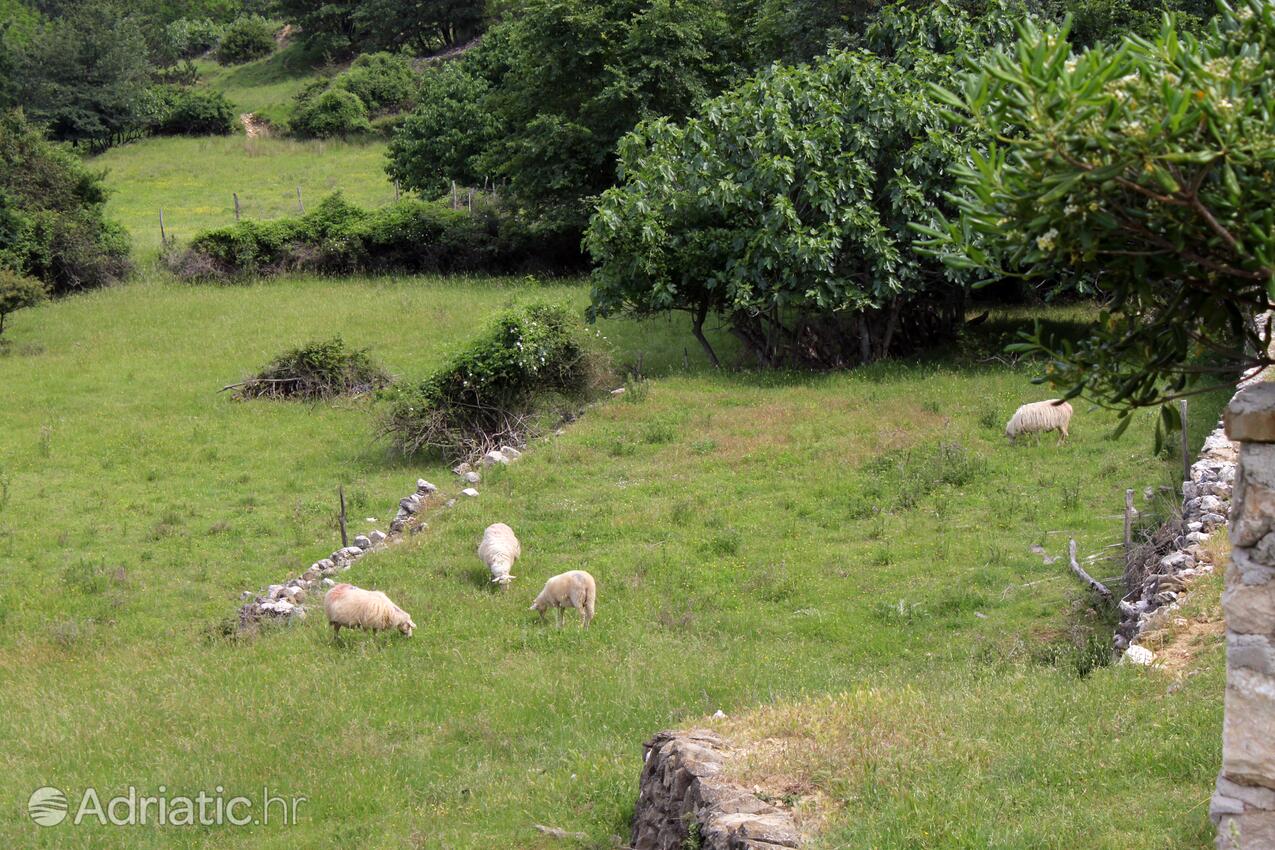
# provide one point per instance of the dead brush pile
(313, 372)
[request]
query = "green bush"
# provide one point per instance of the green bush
(501, 388)
(384, 82)
(245, 39)
(338, 237)
(316, 371)
(17, 292)
(51, 220)
(193, 112)
(335, 112)
(186, 38)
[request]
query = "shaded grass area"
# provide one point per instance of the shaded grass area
(265, 86)
(192, 180)
(750, 533)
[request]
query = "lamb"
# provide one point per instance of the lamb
(576, 589)
(354, 607)
(1039, 417)
(498, 549)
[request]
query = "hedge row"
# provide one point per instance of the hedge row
(338, 237)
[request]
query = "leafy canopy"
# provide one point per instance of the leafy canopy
(1149, 166)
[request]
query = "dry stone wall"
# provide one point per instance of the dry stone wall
(1243, 805)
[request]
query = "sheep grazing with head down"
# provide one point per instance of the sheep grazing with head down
(575, 589)
(498, 549)
(356, 608)
(1039, 417)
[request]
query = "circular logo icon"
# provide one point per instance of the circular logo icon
(47, 806)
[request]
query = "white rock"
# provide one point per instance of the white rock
(493, 457)
(376, 537)
(327, 582)
(472, 478)
(719, 714)
(1196, 537)
(461, 468)
(423, 486)
(362, 541)
(470, 492)
(411, 504)
(274, 591)
(1137, 654)
(510, 452)
(619, 391)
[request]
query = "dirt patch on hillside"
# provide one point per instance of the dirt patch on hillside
(253, 127)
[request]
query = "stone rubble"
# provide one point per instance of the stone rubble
(680, 786)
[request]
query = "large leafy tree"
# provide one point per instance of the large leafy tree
(85, 75)
(342, 27)
(784, 205)
(565, 79)
(1149, 165)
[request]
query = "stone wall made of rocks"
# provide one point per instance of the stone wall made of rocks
(1243, 805)
(287, 601)
(681, 793)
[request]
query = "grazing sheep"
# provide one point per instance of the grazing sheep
(1039, 417)
(575, 589)
(498, 549)
(354, 607)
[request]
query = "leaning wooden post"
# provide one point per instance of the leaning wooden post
(1128, 526)
(1186, 442)
(345, 541)
(300, 203)
(235, 195)
(163, 237)
(1093, 584)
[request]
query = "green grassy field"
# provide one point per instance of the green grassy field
(192, 179)
(266, 86)
(759, 540)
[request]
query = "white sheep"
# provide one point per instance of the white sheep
(1039, 417)
(575, 589)
(498, 549)
(356, 608)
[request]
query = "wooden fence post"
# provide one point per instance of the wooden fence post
(453, 194)
(1128, 526)
(396, 191)
(1186, 442)
(300, 203)
(235, 195)
(341, 492)
(163, 237)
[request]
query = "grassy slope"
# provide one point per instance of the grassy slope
(265, 87)
(729, 519)
(192, 180)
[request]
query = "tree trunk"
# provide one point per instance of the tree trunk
(865, 339)
(697, 328)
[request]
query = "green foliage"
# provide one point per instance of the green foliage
(444, 137)
(192, 112)
(316, 371)
(1148, 166)
(385, 82)
(493, 390)
(567, 78)
(784, 206)
(342, 27)
(337, 236)
(85, 75)
(334, 112)
(51, 222)
(246, 38)
(185, 38)
(17, 292)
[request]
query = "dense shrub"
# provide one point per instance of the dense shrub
(334, 112)
(186, 38)
(384, 82)
(17, 292)
(193, 112)
(501, 387)
(245, 39)
(444, 137)
(316, 371)
(51, 221)
(338, 237)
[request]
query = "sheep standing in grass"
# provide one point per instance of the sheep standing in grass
(356, 608)
(498, 549)
(575, 589)
(1039, 417)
